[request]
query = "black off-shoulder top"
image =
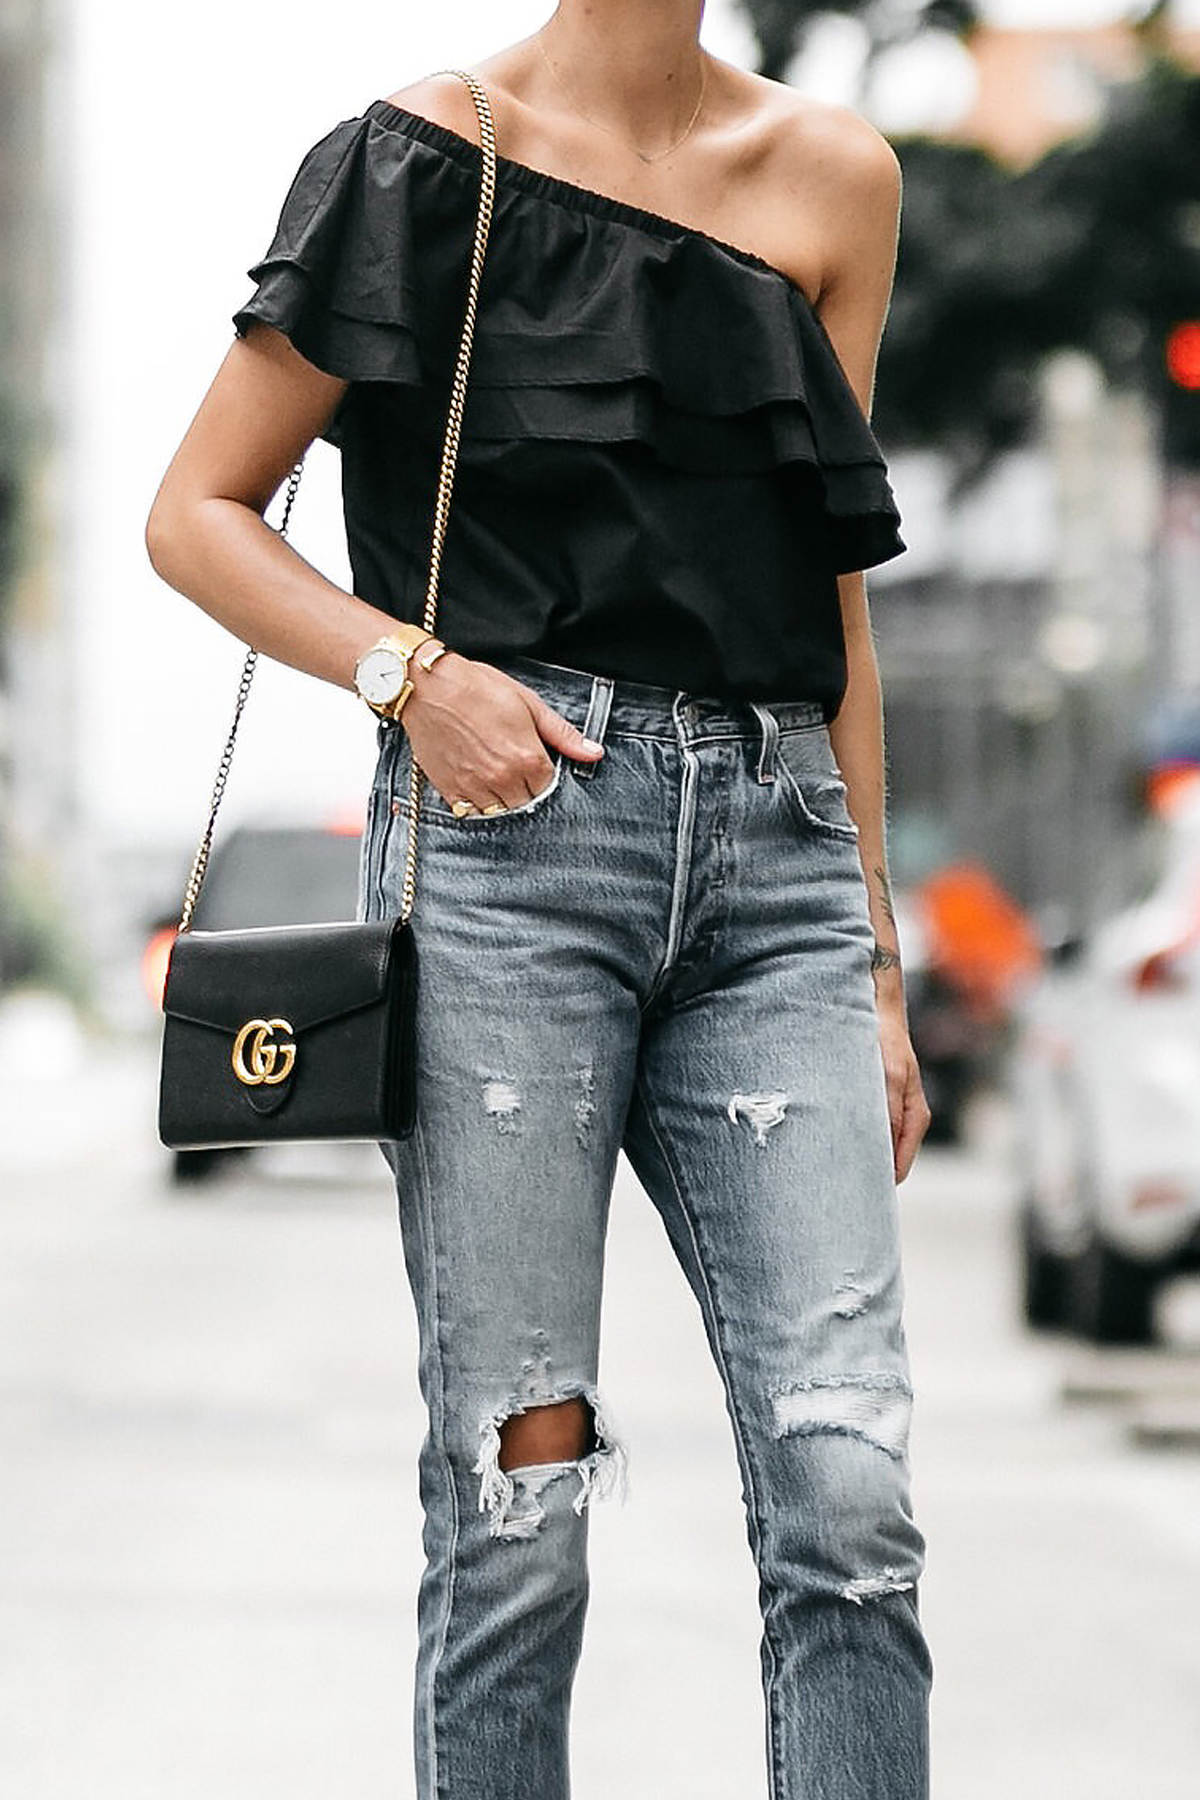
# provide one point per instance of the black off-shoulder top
(663, 465)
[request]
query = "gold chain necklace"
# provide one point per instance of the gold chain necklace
(659, 155)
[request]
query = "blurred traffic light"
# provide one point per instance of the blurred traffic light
(1181, 395)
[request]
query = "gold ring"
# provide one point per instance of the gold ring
(495, 807)
(460, 808)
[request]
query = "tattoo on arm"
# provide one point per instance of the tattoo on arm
(885, 893)
(883, 958)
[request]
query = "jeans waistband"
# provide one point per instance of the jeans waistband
(603, 703)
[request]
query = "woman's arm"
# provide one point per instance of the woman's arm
(861, 230)
(857, 735)
(206, 535)
(475, 731)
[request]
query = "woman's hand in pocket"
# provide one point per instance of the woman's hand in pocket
(482, 736)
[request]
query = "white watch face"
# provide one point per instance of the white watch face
(380, 675)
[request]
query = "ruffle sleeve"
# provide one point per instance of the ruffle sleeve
(598, 322)
(341, 277)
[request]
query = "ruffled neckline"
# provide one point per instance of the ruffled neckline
(573, 194)
(601, 322)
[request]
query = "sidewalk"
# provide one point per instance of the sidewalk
(210, 1539)
(66, 1095)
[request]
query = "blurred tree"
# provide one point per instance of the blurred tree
(1122, 216)
(959, 361)
(1096, 247)
(780, 26)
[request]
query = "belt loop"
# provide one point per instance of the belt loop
(596, 723)
(770, 740)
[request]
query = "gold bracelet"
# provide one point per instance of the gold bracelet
(426, 657)
(429, 648)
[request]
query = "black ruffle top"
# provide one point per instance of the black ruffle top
(663, 466)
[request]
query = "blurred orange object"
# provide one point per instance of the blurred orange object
(155, 958)
(347, 821)
(979, 940)
(1169, 784)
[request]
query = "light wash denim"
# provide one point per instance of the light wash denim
(667, 952)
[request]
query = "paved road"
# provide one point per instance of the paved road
(208, 1524)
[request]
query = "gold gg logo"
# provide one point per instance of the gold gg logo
(258, 1059)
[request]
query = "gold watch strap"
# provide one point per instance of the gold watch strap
(405, 639)
(395, 707)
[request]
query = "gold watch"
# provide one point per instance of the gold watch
(381, 675)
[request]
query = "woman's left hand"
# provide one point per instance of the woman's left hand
(907, 1106)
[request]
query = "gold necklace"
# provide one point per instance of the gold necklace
(659, 155)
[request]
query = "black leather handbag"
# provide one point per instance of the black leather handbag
(287, 1034)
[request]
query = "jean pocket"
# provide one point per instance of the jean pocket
(812, 782)
(435, 806)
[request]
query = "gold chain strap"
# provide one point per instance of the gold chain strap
(458, 397)
(441, 513)
(195, 880)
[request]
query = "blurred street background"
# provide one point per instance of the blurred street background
(209, 1537)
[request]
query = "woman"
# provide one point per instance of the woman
(653, 906)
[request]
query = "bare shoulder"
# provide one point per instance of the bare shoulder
(831, 148)
(819, 183)
(444, 99)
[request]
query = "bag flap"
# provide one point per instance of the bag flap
(306, 974)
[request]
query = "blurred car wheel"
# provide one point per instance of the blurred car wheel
(1045, 1275)
(947, 1088)
(189, 1168)
(1111, 1297)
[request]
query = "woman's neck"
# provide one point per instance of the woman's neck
(635, 64)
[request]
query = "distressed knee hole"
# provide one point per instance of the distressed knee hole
(527, 1447)
(875, 1408)
(560, 1432)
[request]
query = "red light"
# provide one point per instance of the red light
(1159, 973)
(1183, 354)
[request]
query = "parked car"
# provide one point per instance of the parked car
(261, 875)
(1106, 1078)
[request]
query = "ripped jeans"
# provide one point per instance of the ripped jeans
(666, 952)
